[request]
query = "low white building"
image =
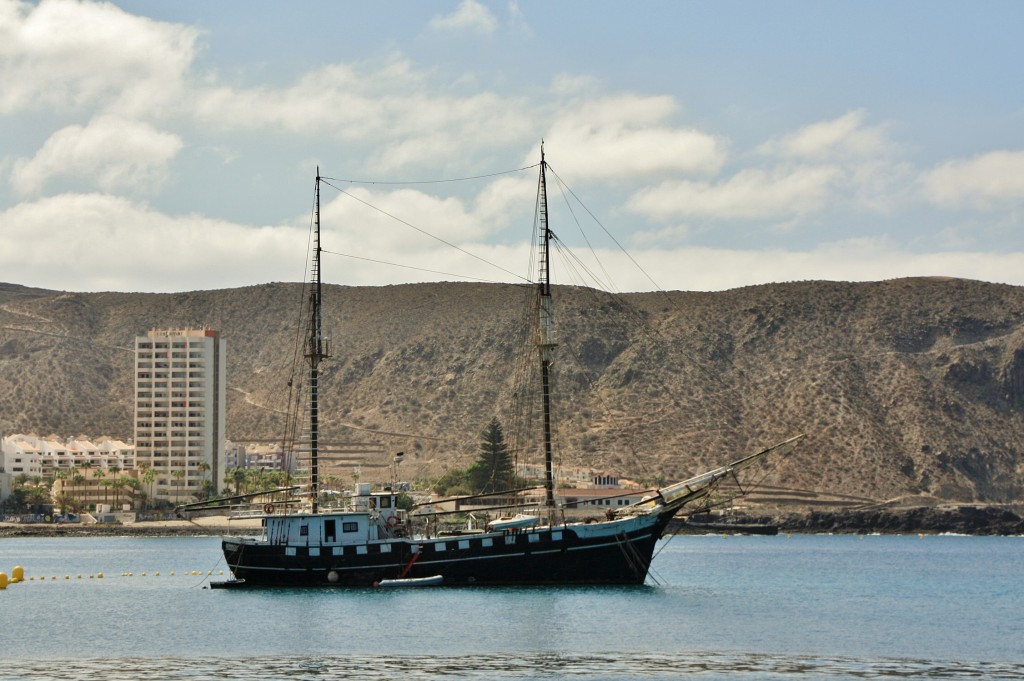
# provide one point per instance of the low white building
(22, 456)
(52, 458)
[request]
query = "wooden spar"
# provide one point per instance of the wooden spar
(222, 501)
(688, 490)
(476, 496)
(546, 343)
(316, 351)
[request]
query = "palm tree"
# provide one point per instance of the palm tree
(237, 478)
(149, 477)
(36, 497)
(254, 480)
(102, 474)
(118, 484)
(178, 475)
(61, 475)
(134, 485)
(203, 468)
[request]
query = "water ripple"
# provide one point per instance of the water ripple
(502, 666)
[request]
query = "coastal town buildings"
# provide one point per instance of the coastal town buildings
(180, 400)
(268, 456)
(81, 471)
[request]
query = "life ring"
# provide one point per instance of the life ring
(392, 520)
(268, 508)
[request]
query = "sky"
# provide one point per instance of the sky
(173, 146)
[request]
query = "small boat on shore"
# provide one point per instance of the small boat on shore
(433, 580)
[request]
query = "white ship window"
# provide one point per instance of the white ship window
(385, 548)
(534, 538)
(487, 542)
(464, 544)
(350, 527)
(556, 536)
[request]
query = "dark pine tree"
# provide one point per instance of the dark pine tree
(493, 471)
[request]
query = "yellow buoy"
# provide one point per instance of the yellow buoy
(3, 581)
(99, 575)
(17, 574)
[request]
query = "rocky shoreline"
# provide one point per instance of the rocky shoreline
(972, 520)
(969, 520)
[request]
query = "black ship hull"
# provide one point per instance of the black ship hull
(573, 554)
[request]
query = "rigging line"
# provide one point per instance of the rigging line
(454, 179)
(605, 230)
(426, 233)
(583, 234)
(411, 267)
(575, 263)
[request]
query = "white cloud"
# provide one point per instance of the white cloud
(72, 237)
(470, 15)
(845, 137)
(66, 55)
(982, 182)
(96, 242)
(625, 137)
(717, 269)
(112, 152)
(749, 194)
(413, 119)
(370, 223)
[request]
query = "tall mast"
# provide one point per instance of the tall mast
(546, 343)
(316, 351)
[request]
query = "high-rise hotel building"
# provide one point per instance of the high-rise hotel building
(179, 411)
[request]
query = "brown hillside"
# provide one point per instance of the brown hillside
(905, 387)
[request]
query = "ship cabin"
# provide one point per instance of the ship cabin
(369, 517)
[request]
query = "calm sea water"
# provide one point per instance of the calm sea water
(800, 607)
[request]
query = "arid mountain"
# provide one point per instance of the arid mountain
(905, 387)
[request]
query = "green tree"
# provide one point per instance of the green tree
(178, 475)
(453, 483)
(206, 486)
(236, 477)
(493, 470)
(149, 477)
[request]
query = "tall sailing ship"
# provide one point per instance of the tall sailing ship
(371, 542)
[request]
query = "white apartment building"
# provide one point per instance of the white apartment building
(180, 399)
(56, 459)
(44, 457)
